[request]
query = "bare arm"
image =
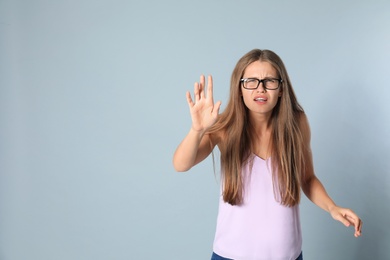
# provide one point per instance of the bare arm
(197, 145)
(315, 191)
(194, 148)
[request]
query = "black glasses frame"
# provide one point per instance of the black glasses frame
(264, 81)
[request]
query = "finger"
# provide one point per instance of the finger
(210, 87)
(201, 88)
(216, 108)
(189, 99)
(358, 231)
(343, 220)
(355, 221)
(358, 228)
(196, 92)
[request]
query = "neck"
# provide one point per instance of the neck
(261, 135)
(261, 123)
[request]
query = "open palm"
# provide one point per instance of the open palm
(204, 112)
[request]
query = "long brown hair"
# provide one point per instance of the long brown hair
(287, 159)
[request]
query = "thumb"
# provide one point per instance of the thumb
(216, 108)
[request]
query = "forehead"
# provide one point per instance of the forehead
(260, 69)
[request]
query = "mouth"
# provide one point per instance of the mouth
(260, 99)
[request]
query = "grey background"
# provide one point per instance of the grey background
(92, 107)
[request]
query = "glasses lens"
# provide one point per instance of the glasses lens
(271, 83)
(251, 83)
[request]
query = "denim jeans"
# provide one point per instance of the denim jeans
(217, 257)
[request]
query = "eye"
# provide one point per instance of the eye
(251, 81)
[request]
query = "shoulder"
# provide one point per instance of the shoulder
(302, 119)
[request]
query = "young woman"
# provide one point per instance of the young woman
(264, 140)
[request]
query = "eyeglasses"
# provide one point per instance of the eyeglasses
(254, 83)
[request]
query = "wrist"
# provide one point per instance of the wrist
(331, 207)
(199, 132)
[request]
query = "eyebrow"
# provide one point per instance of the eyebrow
(268, 77)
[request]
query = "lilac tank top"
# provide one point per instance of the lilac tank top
(260, 228)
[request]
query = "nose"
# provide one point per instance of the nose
(261, 88)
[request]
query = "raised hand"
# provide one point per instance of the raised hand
(204, 112)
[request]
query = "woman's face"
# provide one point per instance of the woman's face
(260, 101)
